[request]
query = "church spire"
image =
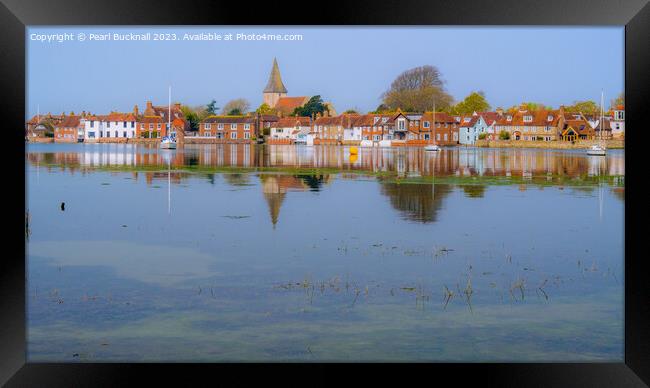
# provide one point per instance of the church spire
(275, 84)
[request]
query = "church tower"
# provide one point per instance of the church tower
(274, 89)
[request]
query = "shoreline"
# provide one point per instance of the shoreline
(554, 145)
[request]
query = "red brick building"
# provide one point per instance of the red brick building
(229, 129)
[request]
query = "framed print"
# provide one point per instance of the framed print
(210, 188)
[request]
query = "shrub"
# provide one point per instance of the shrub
(504, 135)
(482, 136)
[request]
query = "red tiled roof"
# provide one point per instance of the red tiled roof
(69, 122)
(289, 104)
(289, 122)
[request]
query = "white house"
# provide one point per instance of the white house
(114, 125)
(289, 128)
(617, 123)
(470, 128)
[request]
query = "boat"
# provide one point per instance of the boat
(434, 146)
(599, 149)
(169, 142)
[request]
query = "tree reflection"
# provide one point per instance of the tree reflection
(416, 202)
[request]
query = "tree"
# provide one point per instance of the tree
(264, 109)
(475, 102)
(620, 100)
(351, 111)
(237, 106)
(382, 108)
(212, 107)
(416, 90)
(314, 106)
(587, 107)
(504, 135)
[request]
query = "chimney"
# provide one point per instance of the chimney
(562, 109)
(177, 106)
(149, 110)
(135, 110)
(499, 111)
(83, 113)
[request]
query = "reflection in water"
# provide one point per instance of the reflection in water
(416, 202)
(401, 162)
(468, 269)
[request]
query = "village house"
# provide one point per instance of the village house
(229, 129)
(525, 124)
(617, 122)
(330, 130)
(150, 127)
(120, 125)
(445, 131)
(42, 125)
(69, 129)
(287, 129)
(576, 127)
(95, 127)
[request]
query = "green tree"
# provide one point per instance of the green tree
(475, 102)
(314, 106)
(416, 90)
(586, 107)
(504, 135)
(264, 109)
(212, 107)
(351, 111)
(482, 135)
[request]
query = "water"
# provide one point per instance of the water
(283, 253)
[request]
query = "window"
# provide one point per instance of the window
(549, 118)
(150, 125)
(220, 126)
(247, 135)
(207, 133)
(158, 126)
(375, 120)
(426, 136)
(92, 124)
(91, 135)
(206, 126)
(509, 118)
(233, 126)
(233, 135)
(124, 124)
(445, 137)
(247, 127)
(401, 125)
(108, 134)
(116, 135)
(124, 134)
(101, 134)
(132, 124)
(455, 136)
(437, 136)
(528, 118)
(376, 137)
(426, 124)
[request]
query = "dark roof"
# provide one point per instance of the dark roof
(275, 84)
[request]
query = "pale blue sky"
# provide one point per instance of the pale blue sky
(350, 67)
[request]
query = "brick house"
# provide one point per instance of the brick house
(229, 129)
(68, 129)
(446, 130)
(524, 124)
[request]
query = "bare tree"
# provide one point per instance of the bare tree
(236, 106)
(416, 89)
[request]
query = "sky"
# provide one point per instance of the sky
(350, 67)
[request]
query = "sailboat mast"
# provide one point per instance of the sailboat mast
(169, 112)
(433, 119)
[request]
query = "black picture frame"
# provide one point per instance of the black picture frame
(15, 15)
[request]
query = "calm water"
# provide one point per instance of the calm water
(216, 253)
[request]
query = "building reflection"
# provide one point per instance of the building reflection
(415, 202)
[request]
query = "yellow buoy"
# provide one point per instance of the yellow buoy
(354, 151)
(353, 158)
